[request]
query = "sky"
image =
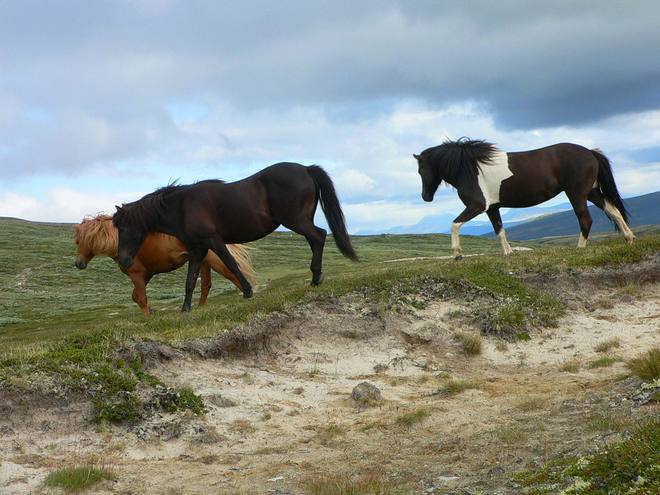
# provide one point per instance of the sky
(104, 101)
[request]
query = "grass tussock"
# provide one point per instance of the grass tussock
(603, 362)
(570, 366)
(646, 366)
(78, 479)
(471, 343)
(455, 387)
(608, 345)
(408, 420)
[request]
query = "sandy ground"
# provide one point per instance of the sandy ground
(281, 418)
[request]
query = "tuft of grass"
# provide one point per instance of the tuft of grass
(326, 435)
(369, 484)
(646, 366)
(603, 362)
(186, 399)
(74, 480)
(532, 404)
(570, 366)
(608, 345)
(471, 343)
(408, 420)
(455, 387)
(501, 346)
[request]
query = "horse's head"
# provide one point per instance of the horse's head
(84, 252)
(131, 233)
(430, 175)
(94, 236)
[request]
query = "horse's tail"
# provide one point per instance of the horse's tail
(607, 185)
(241, 254)
(332, 210)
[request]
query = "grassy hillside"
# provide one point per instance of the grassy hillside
(43, 296)
(644, 210)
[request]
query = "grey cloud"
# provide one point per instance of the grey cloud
(533, 64)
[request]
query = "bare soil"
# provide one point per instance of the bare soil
(282, 414)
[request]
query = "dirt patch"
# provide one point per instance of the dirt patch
(278, 395)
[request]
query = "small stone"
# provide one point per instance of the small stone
(366, 392)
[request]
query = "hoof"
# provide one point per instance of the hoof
(318, 280)
(186, 309)
(151, 311)
(631, 240)
(458, 257)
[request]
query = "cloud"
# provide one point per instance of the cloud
(60, 204)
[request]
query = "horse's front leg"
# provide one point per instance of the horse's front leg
(468, 214)
(194, 265)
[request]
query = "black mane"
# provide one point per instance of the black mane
(145, 212)
(460, 156)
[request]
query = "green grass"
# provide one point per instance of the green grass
(455, 387)
(647, 366)
(630, 467)
(603, 362)
(608, 345)
(69, 324)
(74, 480)
(408, 420)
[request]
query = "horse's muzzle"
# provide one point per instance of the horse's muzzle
(427, 197)
(80, 264)
(125, 261)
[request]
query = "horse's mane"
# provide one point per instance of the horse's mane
(145, 212)
(97, 234)
(461, 156)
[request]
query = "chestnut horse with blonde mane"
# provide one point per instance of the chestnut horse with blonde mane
(160, 253)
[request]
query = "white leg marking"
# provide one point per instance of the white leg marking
(615, 215)
(505, 244)
(455, 240)
(582, 241)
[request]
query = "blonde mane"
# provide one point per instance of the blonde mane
(97, 234)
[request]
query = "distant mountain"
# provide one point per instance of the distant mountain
(644, 210)
(441, 224)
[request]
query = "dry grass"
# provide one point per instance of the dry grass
(325, 436)
(242, 426)
(608, 345)
(471, 343)
(370, 484)
(532, 404)
(571, 366)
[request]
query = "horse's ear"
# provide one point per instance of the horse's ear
(118, 208)
(416, 157)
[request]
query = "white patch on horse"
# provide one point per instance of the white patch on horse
(490, 176)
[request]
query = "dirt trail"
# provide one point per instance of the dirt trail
(279, 418)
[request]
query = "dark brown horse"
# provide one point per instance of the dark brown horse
(488, 179)
(211, 214)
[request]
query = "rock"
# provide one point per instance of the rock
(366, 393)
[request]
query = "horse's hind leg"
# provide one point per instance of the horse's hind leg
(597, 198)
(220, 248)
(496, 220)
(316, 239)
(579, 204)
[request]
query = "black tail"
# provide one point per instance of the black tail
(332, 209)
(607, 184)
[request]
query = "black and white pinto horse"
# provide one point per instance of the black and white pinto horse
(488, 179)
